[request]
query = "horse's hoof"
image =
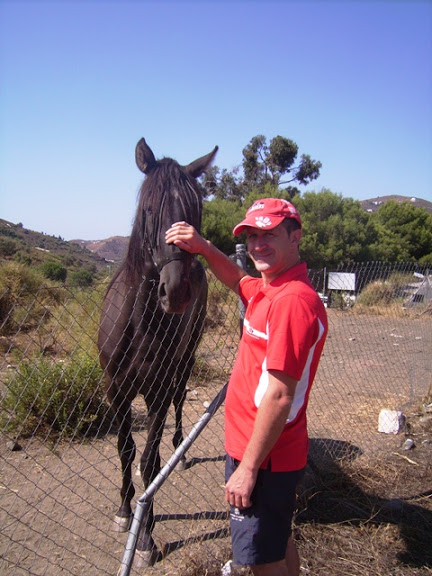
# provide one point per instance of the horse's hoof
(122, 523)
(146, 558)
(181, 464)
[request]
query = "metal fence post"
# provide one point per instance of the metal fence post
(240, 258)
(144, 501)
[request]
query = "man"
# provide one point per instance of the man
(265, 408)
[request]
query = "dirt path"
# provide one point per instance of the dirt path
(57, 503)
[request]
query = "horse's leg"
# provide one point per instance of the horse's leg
(183, 374)
(126, 451)
(147, 553)
(184, 371)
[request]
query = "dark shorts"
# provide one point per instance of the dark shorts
(259, 534)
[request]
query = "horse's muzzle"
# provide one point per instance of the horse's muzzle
(174, 299)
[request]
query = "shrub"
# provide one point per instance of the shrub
(55, 399)
(376, 293)
(54, 271)
(385, 292)
(25, 300)
(8, 247)
(23, 257)
(81, 278)
(68, 260)
(75, 324)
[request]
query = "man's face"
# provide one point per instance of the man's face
(273, 251)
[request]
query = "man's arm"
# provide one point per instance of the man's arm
(187, 238)
(269, 423)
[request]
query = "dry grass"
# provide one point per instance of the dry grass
(358, 515)
(350, 523)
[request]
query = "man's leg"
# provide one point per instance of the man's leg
(288, 567)
(292, 558)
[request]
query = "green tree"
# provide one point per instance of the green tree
(403, 232)
(277, 163)
(219, 218)
(274, 164)
(222, 184)
(336, 230)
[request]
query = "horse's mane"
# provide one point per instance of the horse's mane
(167, 194)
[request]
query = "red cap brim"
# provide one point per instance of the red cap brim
(253, 222)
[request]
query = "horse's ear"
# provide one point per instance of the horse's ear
(198, 167)
(144, 157)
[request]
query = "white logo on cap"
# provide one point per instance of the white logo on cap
(262, 221)
(257, 206)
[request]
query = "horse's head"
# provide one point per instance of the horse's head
(168, 194)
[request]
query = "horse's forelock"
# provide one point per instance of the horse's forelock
(167, 193)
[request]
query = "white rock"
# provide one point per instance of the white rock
(229, 569)
(390, 421)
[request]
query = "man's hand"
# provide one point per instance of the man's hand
(185, 237)
(239, 487)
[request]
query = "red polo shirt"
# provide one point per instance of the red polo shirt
(284, 329)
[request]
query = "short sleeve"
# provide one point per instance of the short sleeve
(248, 287)
(292, 331)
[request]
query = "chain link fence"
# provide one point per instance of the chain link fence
(60, 472)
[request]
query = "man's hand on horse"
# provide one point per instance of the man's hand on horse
(185, 237)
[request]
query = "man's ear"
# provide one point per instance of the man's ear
(296, 236)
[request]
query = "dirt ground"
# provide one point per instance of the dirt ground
(365, 505)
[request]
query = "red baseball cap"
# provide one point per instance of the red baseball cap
(267, 214)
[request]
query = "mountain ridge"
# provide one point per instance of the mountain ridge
(112, 249)
(373, 204)
(33, 248)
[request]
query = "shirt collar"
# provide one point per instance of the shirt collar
(297, 271)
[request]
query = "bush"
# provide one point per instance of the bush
(54, 271)
(23, 257)
(81, 278)
(8, 247)
(25, 301)
(55, 399)
(375, 294)
(385, 292)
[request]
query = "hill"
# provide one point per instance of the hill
(112, 249)
(373, 204)
(34, 248)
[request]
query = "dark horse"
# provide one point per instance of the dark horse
(152, 320)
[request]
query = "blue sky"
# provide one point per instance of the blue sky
(82, 82)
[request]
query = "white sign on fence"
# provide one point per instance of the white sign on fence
(341, 281)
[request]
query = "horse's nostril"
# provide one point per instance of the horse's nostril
(162, 291)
